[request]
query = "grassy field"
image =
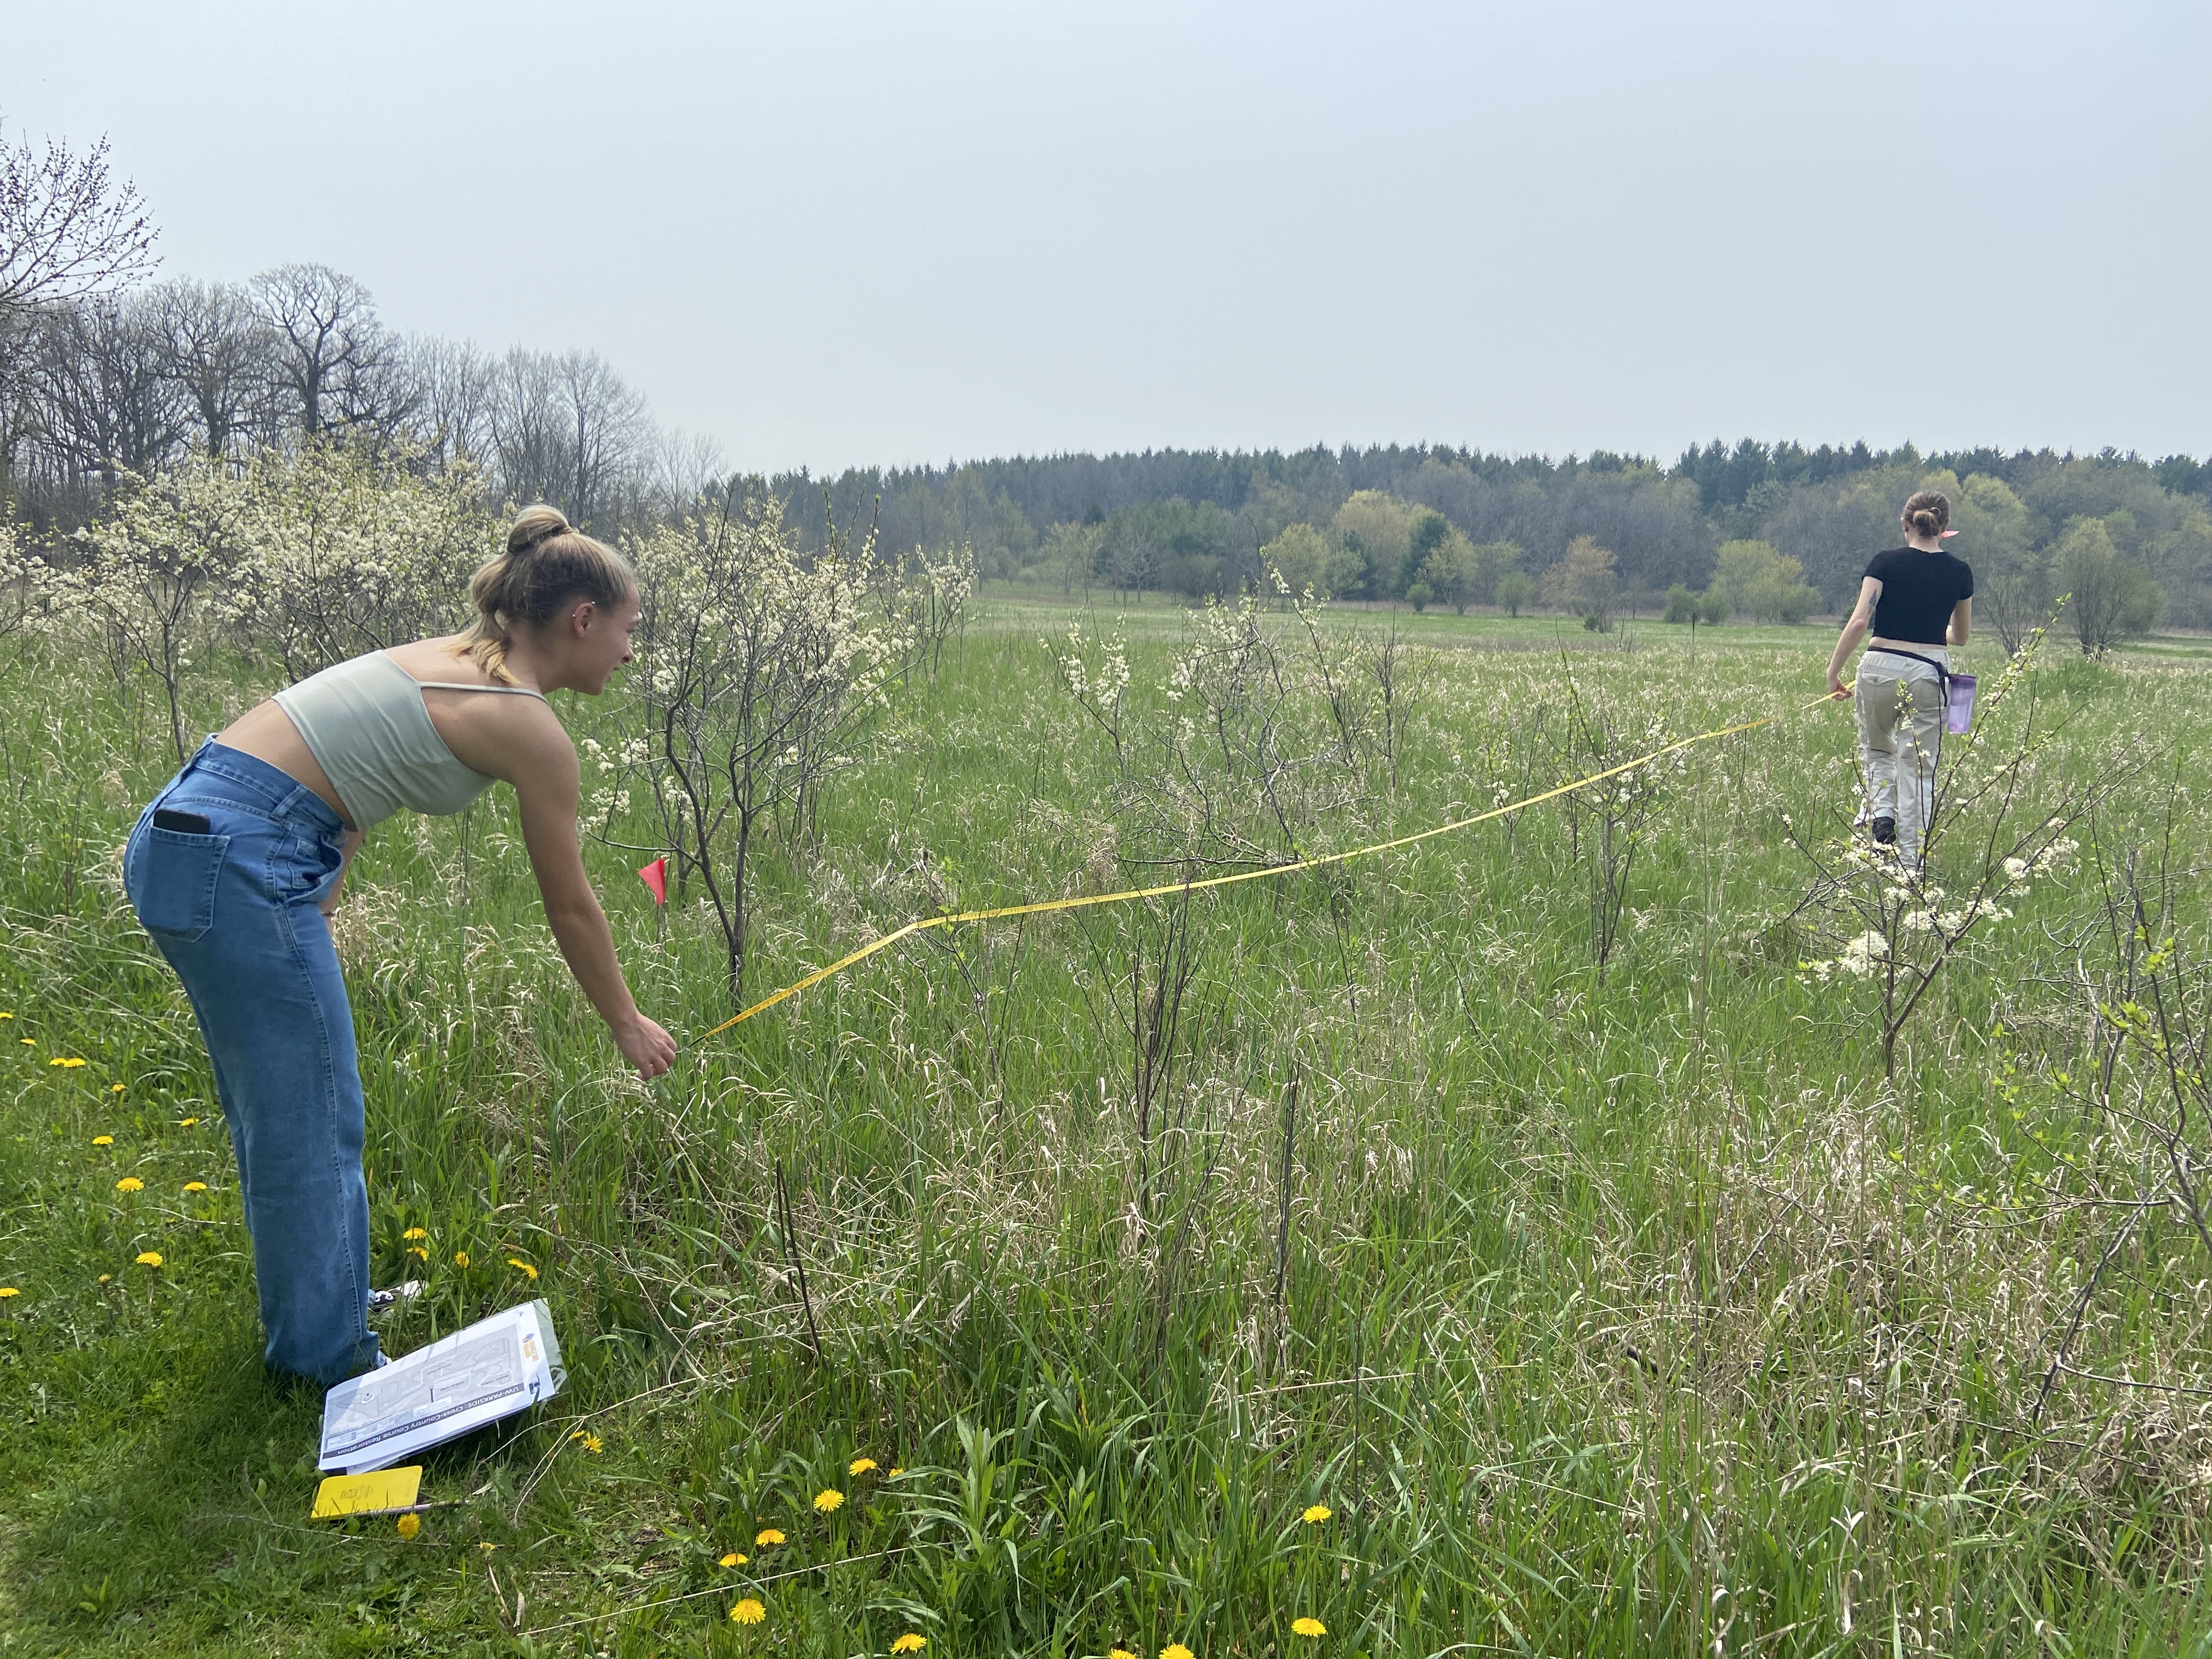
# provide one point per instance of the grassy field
(1431, 1279)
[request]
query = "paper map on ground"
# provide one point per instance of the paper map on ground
(495, 1368)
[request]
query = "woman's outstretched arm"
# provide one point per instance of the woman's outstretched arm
(547, 782)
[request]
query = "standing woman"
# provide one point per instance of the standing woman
(234, 870)
(1918, 599)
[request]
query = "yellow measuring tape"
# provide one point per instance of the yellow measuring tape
(1000, 912)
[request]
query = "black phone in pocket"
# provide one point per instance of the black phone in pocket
(188, 824)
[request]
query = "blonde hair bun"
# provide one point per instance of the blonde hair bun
(548, 565)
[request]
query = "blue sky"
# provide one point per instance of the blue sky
(834, 234)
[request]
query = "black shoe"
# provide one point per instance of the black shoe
(1884, 832)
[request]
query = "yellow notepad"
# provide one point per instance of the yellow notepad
(366, 1494)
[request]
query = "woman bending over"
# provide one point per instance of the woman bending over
(235, 869)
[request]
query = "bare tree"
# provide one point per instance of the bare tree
(567, 430)
(332, 353)
(104, 403)
(453, 380)
(67, 230)
(218, 354)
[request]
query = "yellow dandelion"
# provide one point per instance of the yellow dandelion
(1307, 1627)
(104, 1278)
(131, 1184)
(766, 1536)
(195, 1186)
(7, 1016)
(860, 1466)
(893, 1473)
(732, 1559)
(517, 1261)
(149, 1258)
(1316, 1515)
(186, 1122)
(26, 1042)
(592, 1441)
(417, 1250)
(910, 1643)
(115, 1088)
(415, 1232)
(1121, 1653)
(828, 1500)
(409, 1525)
(68, 1061)
(487, 1548)
(1175, 1651)
(103, 1140)
(748, 1612)
(7, 1291)
(461, 1258)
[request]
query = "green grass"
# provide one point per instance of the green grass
(1624, 1313)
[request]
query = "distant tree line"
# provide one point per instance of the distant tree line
(1767, 531)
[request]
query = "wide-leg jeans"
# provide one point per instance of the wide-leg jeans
(235, 912)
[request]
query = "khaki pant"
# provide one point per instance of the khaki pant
(1900, 703)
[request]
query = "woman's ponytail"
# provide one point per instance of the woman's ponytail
(548, 564)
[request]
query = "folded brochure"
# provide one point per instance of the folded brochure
(493, 1369)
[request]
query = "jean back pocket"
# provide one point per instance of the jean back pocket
(171, 879)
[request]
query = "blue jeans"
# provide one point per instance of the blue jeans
(235, 912)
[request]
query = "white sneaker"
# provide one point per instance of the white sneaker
(384, 1301)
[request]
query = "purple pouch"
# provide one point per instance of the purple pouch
(1958, 715)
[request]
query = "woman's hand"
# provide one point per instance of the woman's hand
(1836, 688)
(646, 1046)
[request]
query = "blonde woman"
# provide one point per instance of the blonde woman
(1919, 602)
(235, 867)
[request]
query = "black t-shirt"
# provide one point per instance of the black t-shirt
(1917, 592)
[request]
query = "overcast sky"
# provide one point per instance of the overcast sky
(831, 234)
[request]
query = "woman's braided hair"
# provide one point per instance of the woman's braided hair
(548, 565)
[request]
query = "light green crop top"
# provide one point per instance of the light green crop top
(365, 721)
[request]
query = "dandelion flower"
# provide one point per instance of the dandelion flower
(103, 1140)
(7, 1016)
(104, 1278)
(1307, 1627)
(860, 1466)
(1121, 1653)
(517, 1261)
(415, 1232)
(149, 1258)
(186, 1122)
(195, 1186)
(910, 1643)
(461, 1258)
(68, 1061)
(1177, 1650)
(487, 1548)
(592, 1441)
(748, 1612)
(828, 1500)
(893, 1473)
(131, 1184)
(766, 1536)
(7, 1291)
(417, 1250)
(26, 1042)
(732, 1559)
(115, 1088)
(1316, 1515)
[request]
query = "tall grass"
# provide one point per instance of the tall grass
(1626, 1312)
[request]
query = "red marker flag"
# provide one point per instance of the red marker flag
(655, 876)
